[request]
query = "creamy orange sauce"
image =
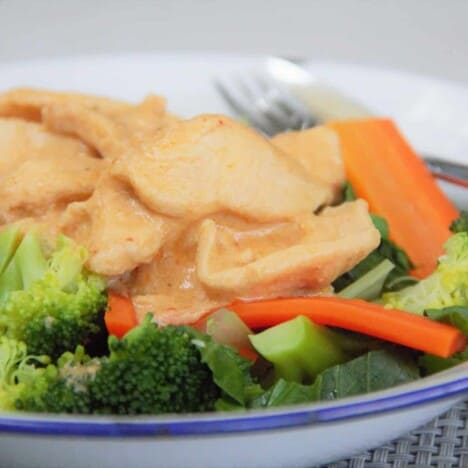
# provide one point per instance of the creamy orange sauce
(182, 215)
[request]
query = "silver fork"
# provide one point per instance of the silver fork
(272, 109)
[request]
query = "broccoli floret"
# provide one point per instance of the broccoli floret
(21, 373)
(63, 388)
(153, 370)
(150, 370)
(447, 286)
(51, 303)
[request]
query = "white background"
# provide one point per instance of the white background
(426, 36)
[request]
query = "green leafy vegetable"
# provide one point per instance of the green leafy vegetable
(431, 364)
(376, 370)
(447, 286)
(460, 224)
(456, 316)
(231, 372)
(387, 250)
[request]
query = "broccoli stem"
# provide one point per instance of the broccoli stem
(11, 280)
(67, 262)
(298, 349)
(9, 240)
(31, 260)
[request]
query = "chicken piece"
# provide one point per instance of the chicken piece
(27, 104)
(110, 133)
(187, 215)
(118, 231)
(212, 163)
(318, 151)
(103, 124)
(169, 286)
(307, 254)
(41, 172)
(224, 259)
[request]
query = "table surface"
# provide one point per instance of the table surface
(423, 36)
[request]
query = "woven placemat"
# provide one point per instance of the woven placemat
(442, 443)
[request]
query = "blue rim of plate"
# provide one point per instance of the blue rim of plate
(211, 425)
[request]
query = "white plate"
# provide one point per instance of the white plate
(434, 116)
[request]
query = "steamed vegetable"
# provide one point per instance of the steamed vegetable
(369, 286)
(120, 316)
(20, 373)
(225, 327)
(460, 224)
(298, 349)
(150, 371)
(392, 325)
(376, 370)
(457, 317)
(49, 301)
(375, 267)
(384, 170)
(447, 286)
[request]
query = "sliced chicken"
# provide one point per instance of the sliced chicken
(212, 163)
(27, 103)
(306, 254)
(104, 124)
(119, 232)
(41, 172)
(318, 151)
(185, 216)
(229, 261)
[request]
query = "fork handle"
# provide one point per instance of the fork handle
(452, 172)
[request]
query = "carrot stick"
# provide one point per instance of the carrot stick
(397, 326)
(384, 170)
(120, 315)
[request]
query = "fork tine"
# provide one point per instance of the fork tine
(277, 107)
(260, 100)
(289, 105)
(272, 106)
(266, 105)
(243, 108)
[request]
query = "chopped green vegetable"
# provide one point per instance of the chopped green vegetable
(456, 316)
(19, 374)
(31, 260)
(387, 250)
(447, 286)
(231, 372)
(376, 370)
(52, 304)
(9, 240)
(431, 364)
(298, 349)
(460, 224)
(368, 286)
(150, 371)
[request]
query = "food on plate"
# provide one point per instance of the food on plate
(151, 264)
(384, 170)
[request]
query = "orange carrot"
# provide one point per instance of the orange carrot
(120, 315)
(397, 326)
(384, 170)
